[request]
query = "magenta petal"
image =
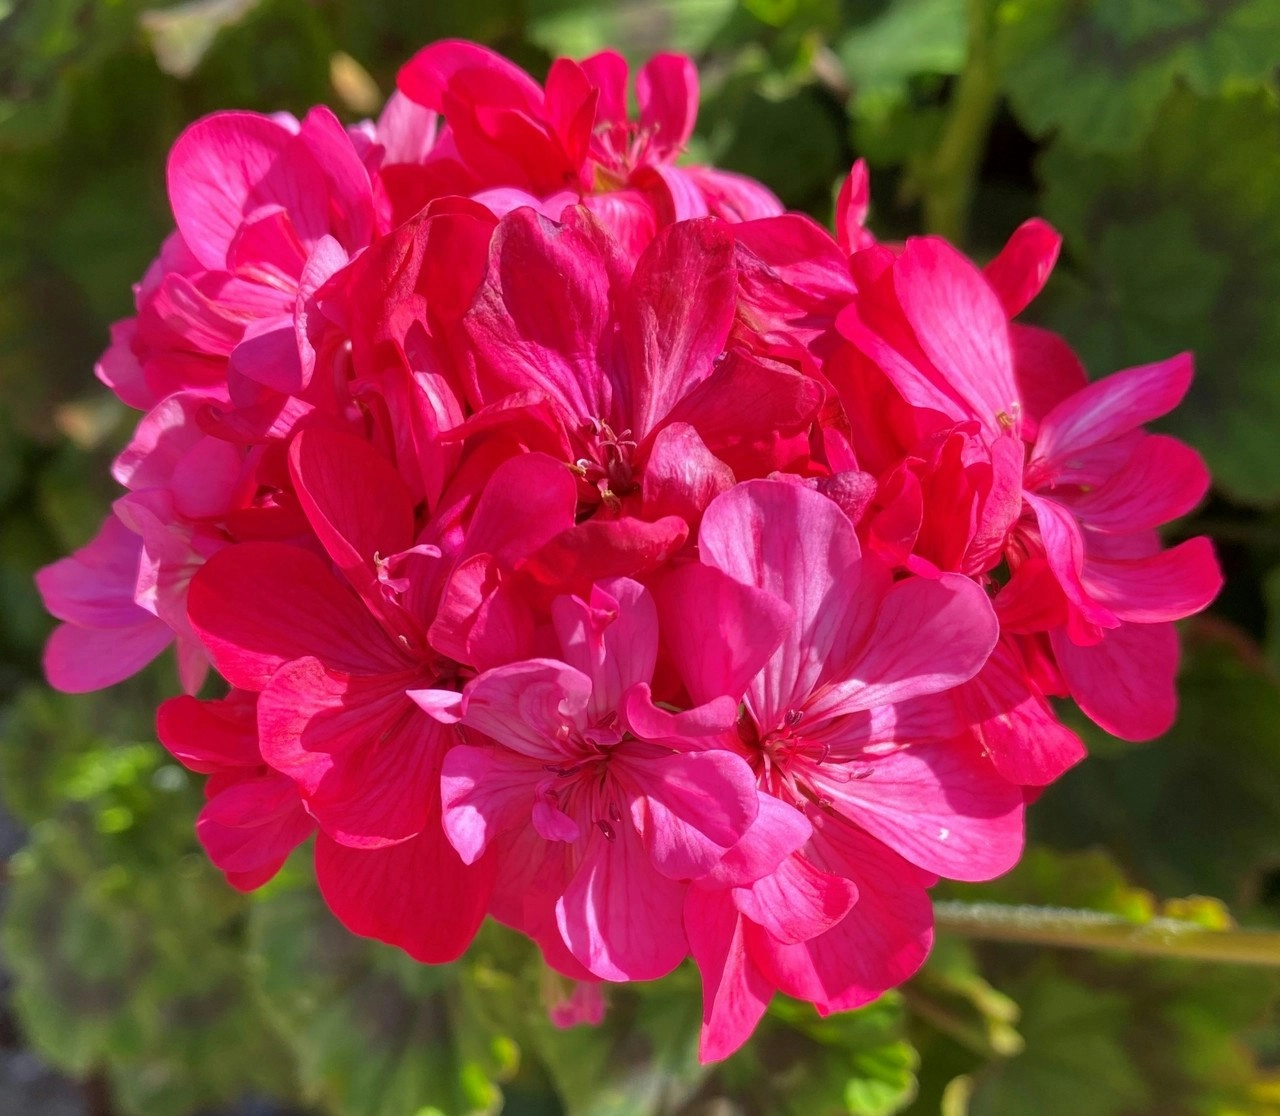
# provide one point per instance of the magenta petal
(211, 736)
(1162, 480)
(1112, 406)
(676, 318)
(214, 168)
(880, 943)
(797, 901)
(1166, 586)
(485, 791)
(681, 476)
(1064, 550)
(961, 327)
(1125, 682)
(778, 830)
(619, 916)
(541, 318)
(929, 636)
(941, 806)
(734, 992)
(334, 474)
(667, 93)
(690, 808)
(719, 632)
(1022, 268)
(78, 660)
(258, 605)
(365, 758)
(250, 828)
(417, 895)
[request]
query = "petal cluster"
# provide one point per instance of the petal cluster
(586, 543)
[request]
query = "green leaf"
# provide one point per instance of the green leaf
(1073, 1062)
(1178, 248)
(641, 1061)
(578, 27)
(1196, 812)
(1097, 72)
(373, 1032)
(910, 37)
(857, 1063)
(127, 957)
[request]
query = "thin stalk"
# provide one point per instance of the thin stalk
(946, 180)
(1159, 937)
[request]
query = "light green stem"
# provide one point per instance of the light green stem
(1159, 937)
(946, 180)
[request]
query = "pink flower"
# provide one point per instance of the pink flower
(839, 726)
(626, 804)
(511, 143)
(253, 818)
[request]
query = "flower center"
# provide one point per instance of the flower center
(607, 466)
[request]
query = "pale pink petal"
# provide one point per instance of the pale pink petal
(524, 706)
(484, 792)
(682, 476)
(78, 660)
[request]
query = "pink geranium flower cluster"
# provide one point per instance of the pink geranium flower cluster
(590, 544)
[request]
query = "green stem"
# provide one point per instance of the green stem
(946, 180)
(1159, 937)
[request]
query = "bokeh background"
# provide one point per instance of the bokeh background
(134, 982)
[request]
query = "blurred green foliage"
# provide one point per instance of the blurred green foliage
(1148, 131)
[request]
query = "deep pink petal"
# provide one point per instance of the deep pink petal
(682, 476)
(542, 315)
(719, 632)
(676, 317)
(962, 328)
(619, 916)
(734, 992)
(690, 809)
(667, 93)
(880, 943)
(258, 605)
(1110, 407)
(250, 828)
(779, 830)
(1166, 586)
(1125, 682)
(797, 901)
(78, 660)
(365, 757)
(426, 76)
(211, 736)
(1022, 268)
(417, 895)
(214, 168)
(1064, 550)
(1162, 480)
(941, 806)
